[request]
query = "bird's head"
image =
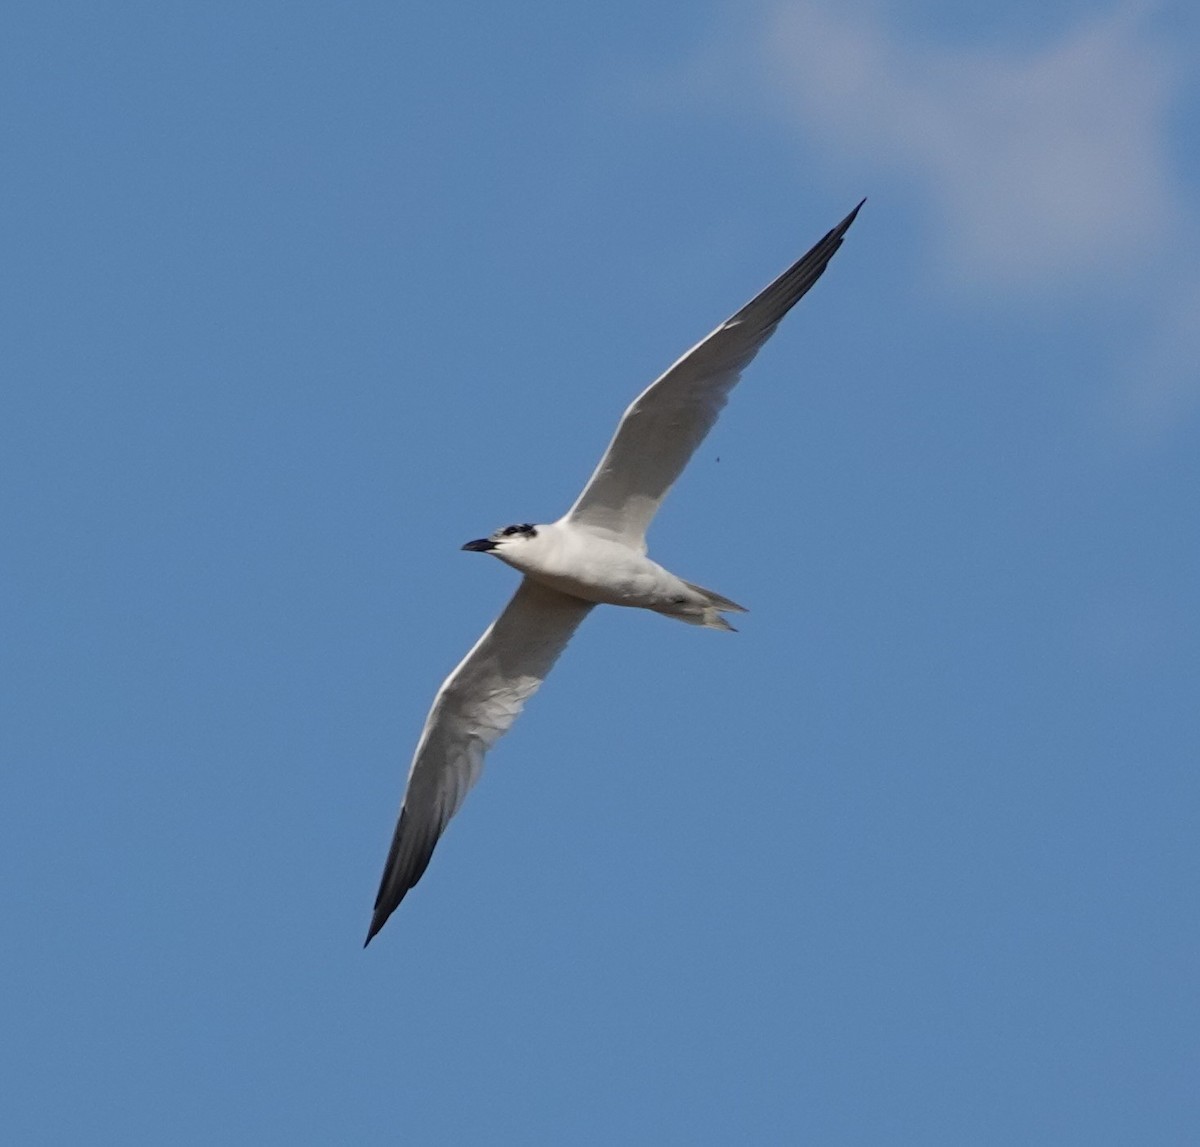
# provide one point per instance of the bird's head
(504, 543)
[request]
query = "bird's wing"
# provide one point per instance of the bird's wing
(660, 431)
(474, 708)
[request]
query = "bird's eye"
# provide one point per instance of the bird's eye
(508, 531)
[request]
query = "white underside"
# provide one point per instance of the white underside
(579, 562)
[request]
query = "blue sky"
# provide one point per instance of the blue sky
(298, 298)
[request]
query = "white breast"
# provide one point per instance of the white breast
(593, 568)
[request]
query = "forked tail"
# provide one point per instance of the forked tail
(715, 605)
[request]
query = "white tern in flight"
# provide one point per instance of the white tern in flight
(594, 554)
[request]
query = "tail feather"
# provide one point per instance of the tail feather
(713, 620)
(717, 601)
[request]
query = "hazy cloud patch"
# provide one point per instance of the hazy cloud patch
(1043, 165)
(1049, 170)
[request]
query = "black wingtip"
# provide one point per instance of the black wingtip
(373, 931)
(844, 225)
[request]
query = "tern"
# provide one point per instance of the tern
(594, 554)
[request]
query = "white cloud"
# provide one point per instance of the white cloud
(1044, 165)
(1047, 168)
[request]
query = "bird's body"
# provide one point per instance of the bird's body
(593, 567)
(595, 554)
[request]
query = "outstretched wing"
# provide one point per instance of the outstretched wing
(474, 708)
(665, 424)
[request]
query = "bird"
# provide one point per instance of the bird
(594, 554)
